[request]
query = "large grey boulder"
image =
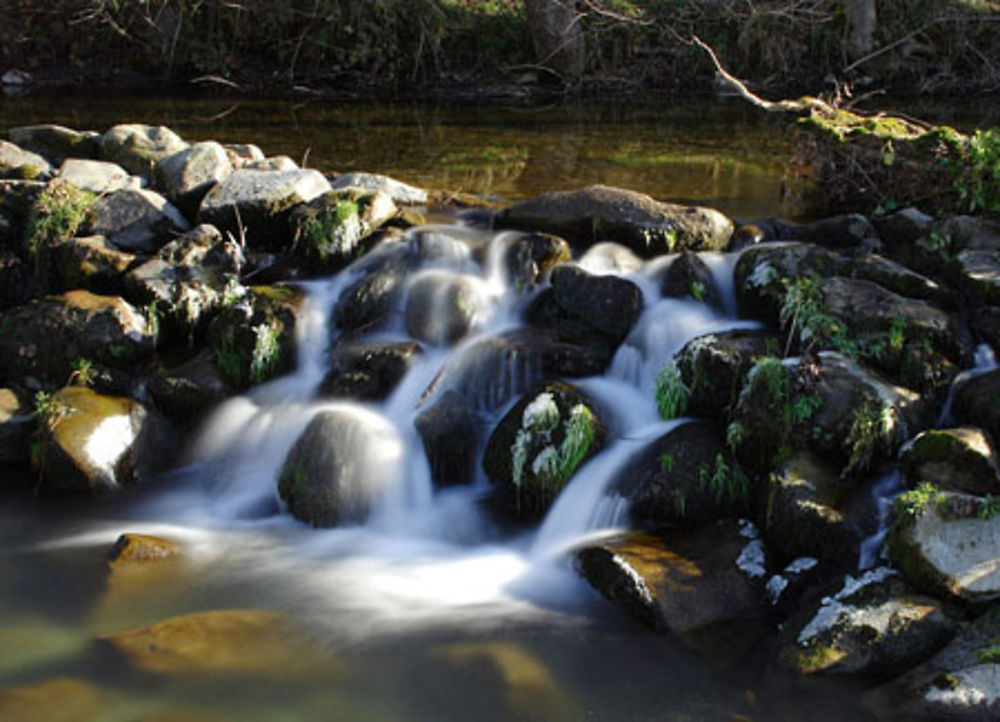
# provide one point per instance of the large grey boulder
(187, 175)
(254, 204)
(947, 543)
(334, 474)
(602, 213)
(140, 221)
(138, 148)
(873, 625)
(399, 192)
(97, 176)
(19, 164)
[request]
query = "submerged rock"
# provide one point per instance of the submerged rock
(539, 444)
(232, 642)
(368, 301)
(873, 626)
(132, 549)
(442, 307)
(601, 213)
(59, 699)
(336, 470)
(449, 432)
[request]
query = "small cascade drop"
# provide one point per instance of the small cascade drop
(984, 361)
(883, 493)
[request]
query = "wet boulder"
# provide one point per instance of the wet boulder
(698, 585)
(873, 625)
(690, 277)
(339, 467)
(947, 543)
(90, 263)
(448, 429)
(139, 221)
(843, 231)
(899, 279)
(56, 141)
(961, 682)
(601, 213)
(230, 642)
(17, 424)
(43, 338)
(959, 459)
(368, 370)
(903, 228)
(607, 304)
(187, 175)
(18, 164)
(371, 299)
(336, 228)
(97, 176)
(188, 391)
(189, 280)
(811, 513)
(685, 477)
(529, 258)
(975, 403)
(138, 148)
(89, 442)
(254, 204)
(442, 307)
(713, 368)
(539, 444)
(399, 192)
(253, 339)
(138, 549)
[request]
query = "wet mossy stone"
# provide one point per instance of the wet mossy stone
(873, 626)
(17, 199)
(762, 273)
(90, 263)
(253, 340)
(89, 442)
(368, 370)
(602, 213)
(714, 368)
(337, 227)
(686, 477)
(975, 403)
(254, 204)
(608, 304)
(43, 338)
(372, 298)
(443, 307)
(135, 549)
(690, 277)
(56, 141)
(138, 148)
(684, 582)
(188, 391)
(19, 164)
(539, 444)
(959, 459)
(961, 682)
(528, 259)
(449, 430)
(947, 544)
(329, 478)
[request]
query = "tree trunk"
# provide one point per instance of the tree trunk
(557, 36)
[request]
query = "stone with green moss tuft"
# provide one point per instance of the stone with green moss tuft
(337, 228)
(56, 141)
(958, 459)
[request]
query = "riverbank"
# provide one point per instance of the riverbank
(447, 48)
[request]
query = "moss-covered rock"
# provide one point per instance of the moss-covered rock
(56, 141)
(529, 258)
(872, 626)
(336, 228)
(539, 444)
(19, 164)
(960, 459)
(602, 213)
(763, 272)
(253, 339)
(368, 302)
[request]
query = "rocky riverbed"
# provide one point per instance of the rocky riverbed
(146, 280)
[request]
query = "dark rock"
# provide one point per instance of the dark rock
(899, 279)
(685, 477)
(137, 220)
(763, 272)
(985, 325)
(903, 228)
(186, 393)
(961, 459)
(448, 430)
(844, 231)
(601, 213)
(977, 274)
(529, 259)
(368, 370)
(975, 403)
(368, 301)
(607, 304)
(17, 425)
(56, 141)
(442, 307)
(690, 277)
(90, 263)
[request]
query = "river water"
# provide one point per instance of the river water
(428, 610)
